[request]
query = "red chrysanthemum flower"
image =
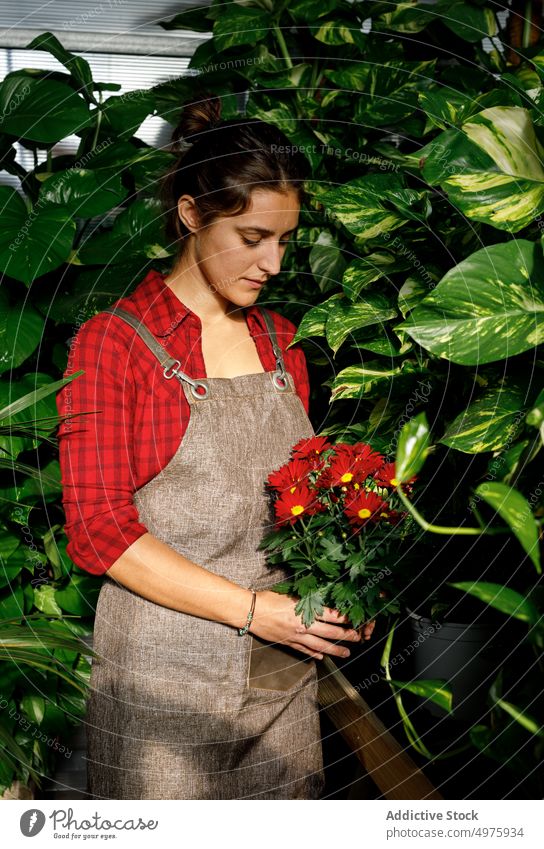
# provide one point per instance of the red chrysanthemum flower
(296, 503)
(311, 449)
(368, 460)
(292, 474)
(386, 476)
(351, 464)
(365, 507)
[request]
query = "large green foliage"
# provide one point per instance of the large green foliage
(416, 279)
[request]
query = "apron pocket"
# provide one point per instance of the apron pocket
(275, 667)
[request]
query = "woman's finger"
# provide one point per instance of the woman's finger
(369, 628)
(330, 632)
(314, 642)
(331, 614)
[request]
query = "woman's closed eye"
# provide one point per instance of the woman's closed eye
(253, 244)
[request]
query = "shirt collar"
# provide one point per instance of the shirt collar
(162, 311)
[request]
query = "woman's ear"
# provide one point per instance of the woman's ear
(188, 213)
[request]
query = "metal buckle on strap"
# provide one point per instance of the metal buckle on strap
(173, 371)
(173, 368)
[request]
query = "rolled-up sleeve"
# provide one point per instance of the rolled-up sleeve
(96, 449)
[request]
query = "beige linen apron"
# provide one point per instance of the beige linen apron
(182, 707)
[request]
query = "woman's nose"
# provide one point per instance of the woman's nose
(271, 261)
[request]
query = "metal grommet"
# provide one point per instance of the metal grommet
(280, 375)
(196, 393)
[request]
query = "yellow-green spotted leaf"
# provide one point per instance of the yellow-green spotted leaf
(356, 381)
(492, 169)
(313, 323)
(363, 271)
(528, 722)
(488, 308)
(361, 205)
(514, 509)
(489, 423)
(469, 21)
(338, 31)
(405, 17)
(501, 598)
(327, 261)
(240, 25)
(430, 689)
(345, 318)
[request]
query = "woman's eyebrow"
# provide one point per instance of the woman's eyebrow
(264, 231)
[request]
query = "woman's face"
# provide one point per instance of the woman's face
(232, 252)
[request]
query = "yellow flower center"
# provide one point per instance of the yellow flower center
(356, 486)
(385, 515)
(297, 510)
(394, 481)
(346, 477)
(364, 513)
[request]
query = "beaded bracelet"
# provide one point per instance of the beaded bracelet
(245, 629)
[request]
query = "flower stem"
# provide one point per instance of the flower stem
(442, 529)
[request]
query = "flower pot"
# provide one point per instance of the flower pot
(464, 654)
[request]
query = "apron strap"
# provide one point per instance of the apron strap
(170, 364)
(279, 374)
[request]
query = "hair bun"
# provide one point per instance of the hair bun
(197, 117)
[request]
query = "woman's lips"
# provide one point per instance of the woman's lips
(256, 284)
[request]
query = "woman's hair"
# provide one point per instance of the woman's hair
(220, 162)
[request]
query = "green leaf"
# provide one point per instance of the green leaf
(126, 112)
(84, 193)
(361, 205)
(21, 329)
(363, 271)
(431, 689)
(33, 404)
(525, 720)
(240, 25)
(44, 599)
(32, 242)
(80, 596)
(337, 31)
(345, 318)
(310, 606)
(31, 398)
(470, 22)
(41, 110)
(193, 18)
(493, 171)
(137, 231)
(326, 261)
(313, 323)
(356, 381)
(34, 707)
(79, 69)
(489, 423)
(412, 447)
(516, 512)
(12, 604)
(501, 598)
(488, 308)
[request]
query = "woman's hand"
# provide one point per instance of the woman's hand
(367, 628)
(275, 620)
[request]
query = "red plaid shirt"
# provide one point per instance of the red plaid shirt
(137, 417)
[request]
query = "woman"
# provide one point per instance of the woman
(205, 684)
